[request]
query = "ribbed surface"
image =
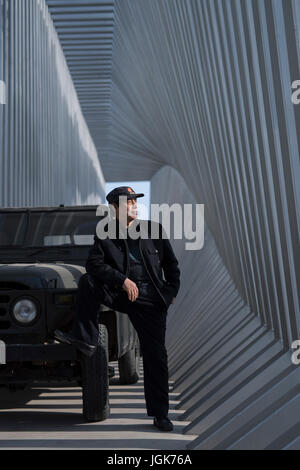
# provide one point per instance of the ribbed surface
(47, 154)
(85, 30)
(205, 86)
(236, 380)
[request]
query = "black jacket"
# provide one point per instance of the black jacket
(108, 263)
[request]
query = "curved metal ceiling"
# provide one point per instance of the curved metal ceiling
(85, 29)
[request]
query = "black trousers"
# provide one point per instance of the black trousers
(148, 316)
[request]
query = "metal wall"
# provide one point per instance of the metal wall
(86, 30)
(204, 86)
(234, 375)
(47, 156)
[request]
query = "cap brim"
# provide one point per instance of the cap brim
(133, 196)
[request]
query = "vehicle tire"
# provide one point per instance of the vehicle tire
(129, 366)
(95, 380)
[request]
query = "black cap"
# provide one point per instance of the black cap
(113, 196)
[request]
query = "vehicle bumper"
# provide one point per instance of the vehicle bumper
(40, 352)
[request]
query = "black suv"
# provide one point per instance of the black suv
(43, 251)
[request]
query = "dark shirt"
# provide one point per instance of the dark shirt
(139, 274)
(148, 294)
(137, 270)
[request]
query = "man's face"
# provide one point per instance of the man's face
(128, 208)
(132, 208)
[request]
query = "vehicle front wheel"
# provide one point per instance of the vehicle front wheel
(95, 380)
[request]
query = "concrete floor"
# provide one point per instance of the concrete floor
(51, 418)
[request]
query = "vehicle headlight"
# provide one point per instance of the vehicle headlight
(25, 311)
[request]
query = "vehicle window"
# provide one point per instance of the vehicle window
(54, 240)
(12, 228)
(62, 228)
(84, 239)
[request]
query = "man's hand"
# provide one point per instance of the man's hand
(131, 288)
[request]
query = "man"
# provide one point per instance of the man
(126, 275)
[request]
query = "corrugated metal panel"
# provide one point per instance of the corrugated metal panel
(47, 154)
(205, 87)
(85, 29)
(234, 376)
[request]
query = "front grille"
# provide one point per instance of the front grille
(5, 324)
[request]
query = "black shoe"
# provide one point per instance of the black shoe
(85, 348)
(163, 423)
